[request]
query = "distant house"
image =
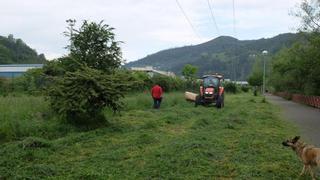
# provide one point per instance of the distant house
(150, 71)
(241, 83)
(15, 70)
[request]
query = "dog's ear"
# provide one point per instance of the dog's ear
(295, 139)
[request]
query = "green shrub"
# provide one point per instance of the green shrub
(80, 96)
(169, 84)
(58, 67)
(177, 84)
(31, 82)
(230, 87)
(140, 81)
(162, 81)
(192, 85)
(245, 88)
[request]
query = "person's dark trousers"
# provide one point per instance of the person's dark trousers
(156, 103)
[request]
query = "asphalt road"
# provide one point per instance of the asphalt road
(305, 117)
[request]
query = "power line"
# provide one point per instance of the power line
(234, 18)
(186, 17)
(212, 17)
(235, 35)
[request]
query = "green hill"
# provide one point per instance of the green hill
(15, 51)
(227, 55)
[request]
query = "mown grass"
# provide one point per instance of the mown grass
(179, 141)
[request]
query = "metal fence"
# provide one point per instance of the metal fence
(313, 101)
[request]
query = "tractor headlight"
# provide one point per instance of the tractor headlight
(206, 92)
(210, 92)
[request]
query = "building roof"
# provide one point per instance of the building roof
(18, 67)
(150, 69)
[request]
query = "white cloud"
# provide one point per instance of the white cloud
(145, 26)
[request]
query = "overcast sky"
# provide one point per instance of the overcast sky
(145, 26)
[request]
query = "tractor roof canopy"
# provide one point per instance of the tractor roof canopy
(219, 76)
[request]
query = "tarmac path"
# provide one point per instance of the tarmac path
(306, 118)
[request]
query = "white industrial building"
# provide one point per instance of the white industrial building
(149, 70)
(15, 70)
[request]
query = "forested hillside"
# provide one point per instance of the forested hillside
(226, 55)
(15, 51)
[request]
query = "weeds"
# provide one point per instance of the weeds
(34, 142)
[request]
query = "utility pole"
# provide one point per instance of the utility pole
(235, 69)
(264, 53)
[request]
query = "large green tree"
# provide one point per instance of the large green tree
(94, 45)
(86, 81)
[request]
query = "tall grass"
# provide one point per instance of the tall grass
(20, 116)
(23, 116)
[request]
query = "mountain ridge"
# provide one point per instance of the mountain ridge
(15, 51)
(224, 54)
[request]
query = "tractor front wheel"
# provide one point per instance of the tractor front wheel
(197, 101)
(220, 102)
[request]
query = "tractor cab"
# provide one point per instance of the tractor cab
(211, 90)
(211, 81)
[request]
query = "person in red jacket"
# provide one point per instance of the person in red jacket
(156, 93)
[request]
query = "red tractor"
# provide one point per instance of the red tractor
(211, 91)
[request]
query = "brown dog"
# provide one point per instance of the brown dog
(309, 155)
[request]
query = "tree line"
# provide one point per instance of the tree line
(295, 69)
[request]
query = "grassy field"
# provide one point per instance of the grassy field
(179, 141)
